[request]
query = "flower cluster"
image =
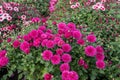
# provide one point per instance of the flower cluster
(74, 6)
(7, 7)
(58, 48)
(99, 6)
(69, 75)
(3, 58)
(52, 4)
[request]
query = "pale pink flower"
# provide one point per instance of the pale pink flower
(23, 17)
(9, 18)
(73, 6)
(77, 4)
(16, 9)
(102, 8)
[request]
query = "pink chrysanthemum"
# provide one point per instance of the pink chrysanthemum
(27, 37)
(68, 34)
(66, 47)
(25, 47)
(16, 44)
(71, 25)
(100, 64)
(90, 51)
(81, 42)
(91, 38)
(100, 56)
(66, 58)
(50, 44)
(99, 49)
(3, 61)
(43, 28)
(59, 51)
(85, 66)
(34, 34)
(48, 76)
(57, 39)
(47, 55)
(43, 36)
(37, 42)
(61, 25)
(55, 59)
(44, 42)
(77, 34)
(3, 53)
(73, 75)
(81, 62)
(64, 67)
(9, 40)
(60, 43)
(65, 75)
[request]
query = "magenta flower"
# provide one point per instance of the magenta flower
(47, 55)
(85, 66)
(57, 39)
(48, 76)
(50, 44)
(100, 56)
(37, 42)
(71, 25)
(66, 58)
(61, 25)
(43, 28)
(90, 51)
(54, 22)
(64, 67)
(65, 75)
(16, 44)
(66, 47)
(27, 37)
(55, 59)
(81, 42)
(3, 53)
(73, 75)
(81, 62)
(27, 51)
(59, 51)
(3, 61)
(68, 34)
(44, 42)
(43, 36)
(34, 34)
(25, 47)
(9, 40)
(100, 64)
(35, 19)
(60, 43)
(91, 38)
(77, 34)
(99, 49)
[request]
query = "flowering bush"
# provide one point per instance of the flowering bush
(78, 41)
(60, 53)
